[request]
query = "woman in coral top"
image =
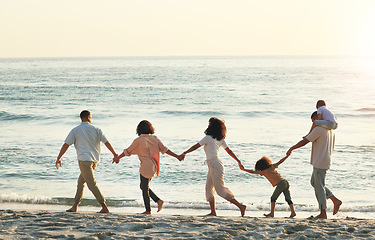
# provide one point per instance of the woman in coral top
(148, 148)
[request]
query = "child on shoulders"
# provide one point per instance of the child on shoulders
(326, 118)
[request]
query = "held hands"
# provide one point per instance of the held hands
(241, 166)
(116, 159)
(181, 157)
(58, 163)
(244, 169)
(289, 152)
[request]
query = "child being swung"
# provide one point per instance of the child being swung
(264, 167)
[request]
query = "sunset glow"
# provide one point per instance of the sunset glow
(43, 28)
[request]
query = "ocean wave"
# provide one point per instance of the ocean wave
(29, 199)
(197, 205)
(356, 115)
(366, 110)
(258, 113)
(183, 113)
(6, 116)
(276, 114)
(355, 149)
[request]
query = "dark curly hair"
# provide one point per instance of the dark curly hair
(263, 164)
(145, 127)
(216, 129)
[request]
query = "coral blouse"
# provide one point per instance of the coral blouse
(147, 147)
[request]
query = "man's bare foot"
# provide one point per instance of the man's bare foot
(292, 215)
(73, 208)
(146, 213)
(160, 205)
(104, 210)
(269, 215)
(322, 216)
(211, 214)
(336, 206)
(243, 209)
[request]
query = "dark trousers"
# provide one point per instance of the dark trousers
(147, 193)
(282, 187)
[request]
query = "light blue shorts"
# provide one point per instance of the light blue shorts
(326, 124)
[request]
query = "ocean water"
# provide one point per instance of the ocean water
(266, 103)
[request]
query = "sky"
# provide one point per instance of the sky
(93, 28)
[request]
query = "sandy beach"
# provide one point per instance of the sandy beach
(17, 224)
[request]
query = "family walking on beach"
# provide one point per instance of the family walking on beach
(87, 138)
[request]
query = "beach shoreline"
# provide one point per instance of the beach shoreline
(43, 224)
(189, 211)
(266, 103)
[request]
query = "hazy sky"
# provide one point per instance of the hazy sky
(61, 28)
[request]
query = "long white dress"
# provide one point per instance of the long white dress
(215, 175)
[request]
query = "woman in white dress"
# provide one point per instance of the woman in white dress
(214, 139)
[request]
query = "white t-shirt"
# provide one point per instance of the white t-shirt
(323, 142)
(86, 139)
(327, 114)
(211, 146)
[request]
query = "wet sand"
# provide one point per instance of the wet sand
(50, 224)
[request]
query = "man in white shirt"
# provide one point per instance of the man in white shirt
(86, 139)
(323, 141)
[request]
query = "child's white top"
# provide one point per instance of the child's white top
(327, 114)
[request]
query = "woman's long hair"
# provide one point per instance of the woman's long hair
(216, 129)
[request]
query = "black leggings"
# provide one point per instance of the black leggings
(147, 193)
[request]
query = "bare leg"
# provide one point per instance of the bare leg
(336, 204)
(160, 205)
(104, 208)
(292, 212)
(240, 206)
(323, 214)
(73, 208)
(272, 213)
(212, 206)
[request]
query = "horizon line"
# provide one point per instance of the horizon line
(192, 56)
